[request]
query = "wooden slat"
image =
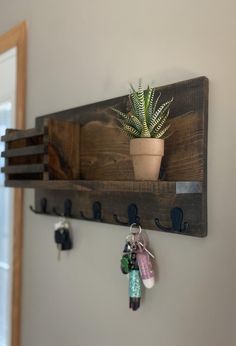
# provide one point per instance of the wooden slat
(31, 150)
(20, 134)
(35, 168)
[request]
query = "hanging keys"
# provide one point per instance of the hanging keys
(62, 237)
(59, 239)
(136, 262)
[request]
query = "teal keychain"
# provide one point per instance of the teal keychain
(136, 263)
(129, 265)
(135, 284)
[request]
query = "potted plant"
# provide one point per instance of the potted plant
(146, 125)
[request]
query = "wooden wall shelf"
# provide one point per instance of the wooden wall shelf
(80, 155)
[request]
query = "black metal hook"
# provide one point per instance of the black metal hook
(133, 217)
(97, 213)
(176, 215)
(67, 209)
(43, 207)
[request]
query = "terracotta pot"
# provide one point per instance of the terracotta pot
(147, 155)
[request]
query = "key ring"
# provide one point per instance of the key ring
(138, 226)
(131, 237)
(140, 240)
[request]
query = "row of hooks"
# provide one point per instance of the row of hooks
(97, 210)
(176, 215)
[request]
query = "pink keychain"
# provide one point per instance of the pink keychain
(145, 263)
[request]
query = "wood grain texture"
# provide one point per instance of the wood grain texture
(24, 169)
(184, 150)
(26, 151)
(22, 147)
(14, 134)
(52, 150)
(16, 37)
(63, 149)
(101, 186)
(104, 152)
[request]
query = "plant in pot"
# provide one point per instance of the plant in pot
(146, 126)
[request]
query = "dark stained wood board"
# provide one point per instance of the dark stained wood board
(63, 144)
(105, 162)
(104, 150)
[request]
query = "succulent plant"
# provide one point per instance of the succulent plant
(145, 119)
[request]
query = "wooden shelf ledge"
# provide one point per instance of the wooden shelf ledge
(111, 186)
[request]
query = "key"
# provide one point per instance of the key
(67, 242)
(59, 252)
(127, 248)
(59, 237)
(63, 240)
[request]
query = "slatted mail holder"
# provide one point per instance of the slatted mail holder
(42, 154)
(78, 162)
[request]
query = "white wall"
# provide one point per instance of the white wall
(85, 51)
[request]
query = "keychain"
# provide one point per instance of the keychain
(135, 285)
(136, 262)
(145, 265)
(62, 236)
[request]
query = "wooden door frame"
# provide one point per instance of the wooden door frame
(16, 37)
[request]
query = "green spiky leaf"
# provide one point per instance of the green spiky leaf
(156, 102)
(145, 131)
(130, 130)
(160, 133)
(136, 122)
(159, 122)
(144, 119)
(159, 113)
(121, 114)
(149, 109)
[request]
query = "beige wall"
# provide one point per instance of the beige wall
(85, 51)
